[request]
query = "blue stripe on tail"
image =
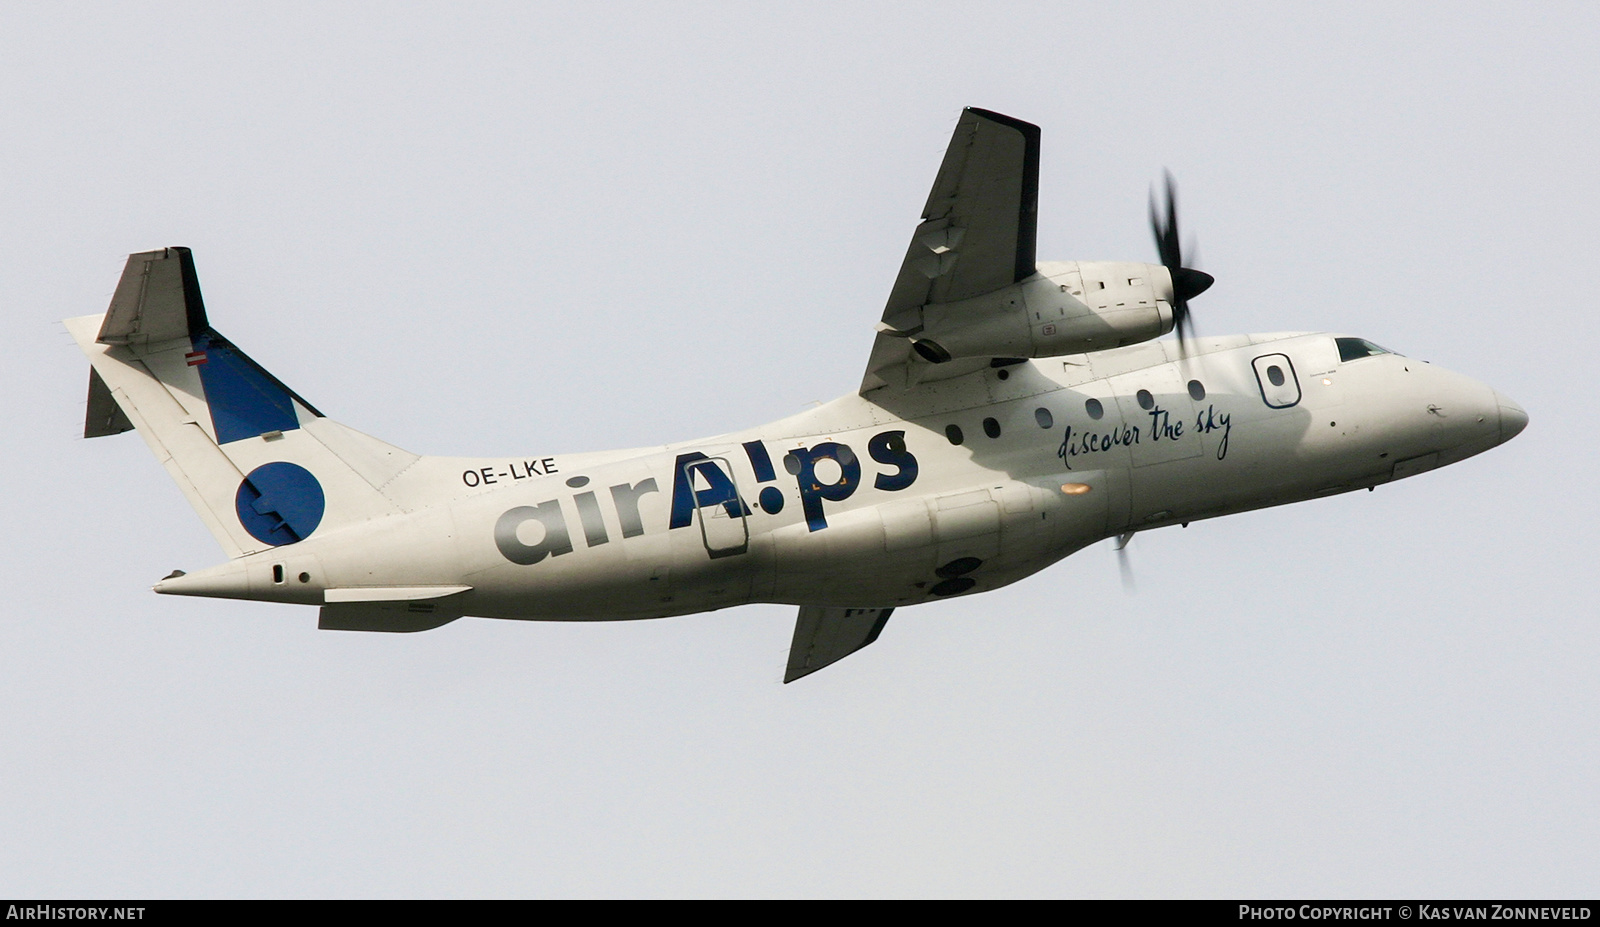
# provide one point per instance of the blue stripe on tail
(246, 401)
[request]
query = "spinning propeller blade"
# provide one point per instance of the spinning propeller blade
(1120, 545)
(1187, 282)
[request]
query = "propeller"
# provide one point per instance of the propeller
(1187, 282)
(1120, 545)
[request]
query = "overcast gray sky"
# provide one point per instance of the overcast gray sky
(485, 228)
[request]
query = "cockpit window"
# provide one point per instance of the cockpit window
(1356, 348)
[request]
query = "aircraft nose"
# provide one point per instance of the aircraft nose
(1512, 418)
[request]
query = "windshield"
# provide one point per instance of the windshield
(1355, 348)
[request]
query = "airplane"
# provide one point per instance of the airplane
(1012, 412)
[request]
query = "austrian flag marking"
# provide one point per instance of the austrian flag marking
(195, 358)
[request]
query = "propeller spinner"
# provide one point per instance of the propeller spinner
(1187, 282)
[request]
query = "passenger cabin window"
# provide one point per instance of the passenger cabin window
(1094, 408)
(1356, 348)
(953, 432)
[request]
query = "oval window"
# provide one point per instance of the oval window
(1275, 376)
(1095, 409)
(1146, 401)
(1197, 390)
(953, 432)
(991, 428)
(1043, 417)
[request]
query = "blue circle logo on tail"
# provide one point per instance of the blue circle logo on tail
(280, 503)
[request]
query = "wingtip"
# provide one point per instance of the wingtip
(1023, 126)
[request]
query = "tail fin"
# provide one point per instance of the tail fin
(260, 465)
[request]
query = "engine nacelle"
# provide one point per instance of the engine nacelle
(1068, 307)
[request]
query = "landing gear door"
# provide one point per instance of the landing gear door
(718, 506)
(1280, 388)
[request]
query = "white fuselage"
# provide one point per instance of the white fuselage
(955, 486)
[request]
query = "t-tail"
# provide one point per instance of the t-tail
(261, 466)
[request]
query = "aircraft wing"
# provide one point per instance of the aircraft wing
(826, 635)
(977, 234)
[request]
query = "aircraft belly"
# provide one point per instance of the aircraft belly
(701, 582)
(847, 563)
(560, 592)
(901, 552)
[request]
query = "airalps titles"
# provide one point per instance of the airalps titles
(704, 483)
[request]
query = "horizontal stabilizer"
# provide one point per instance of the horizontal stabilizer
(103, 416)
(395, 609)
(390, 593)
(825, 635)
(394, 617)
(157, 299)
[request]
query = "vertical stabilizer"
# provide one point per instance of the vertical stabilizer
(260, 465)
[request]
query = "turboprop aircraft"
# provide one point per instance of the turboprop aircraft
(1012, 412)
